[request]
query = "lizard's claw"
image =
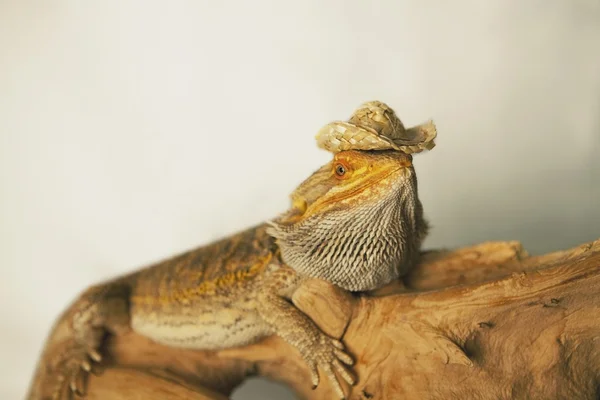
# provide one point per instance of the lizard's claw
(328, 354)
(72, 371)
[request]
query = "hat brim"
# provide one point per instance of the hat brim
(341, 136)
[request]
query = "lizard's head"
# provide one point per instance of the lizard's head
(356, 222)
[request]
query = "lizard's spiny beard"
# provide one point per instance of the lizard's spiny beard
(359, 248)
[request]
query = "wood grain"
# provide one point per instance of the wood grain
(483, 322)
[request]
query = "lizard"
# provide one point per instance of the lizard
(356, 222)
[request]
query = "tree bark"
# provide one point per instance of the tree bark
(483, 322)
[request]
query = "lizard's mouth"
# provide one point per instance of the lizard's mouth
(358, 190)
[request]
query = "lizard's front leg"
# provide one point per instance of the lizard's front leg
(100, 310)
(293, 326)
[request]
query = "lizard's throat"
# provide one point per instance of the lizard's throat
(358, 249)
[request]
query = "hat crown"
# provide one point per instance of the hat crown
(379, 117)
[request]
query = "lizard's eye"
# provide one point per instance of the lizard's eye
(340, 170)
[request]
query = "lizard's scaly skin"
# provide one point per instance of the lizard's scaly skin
(229, 293)
(206, 298)
(356, 222)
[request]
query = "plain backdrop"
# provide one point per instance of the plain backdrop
(134, 130)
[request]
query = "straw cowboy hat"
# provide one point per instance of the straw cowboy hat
(375, 126)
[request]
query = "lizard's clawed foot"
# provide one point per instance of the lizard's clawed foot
(72, 370)
(329, 354)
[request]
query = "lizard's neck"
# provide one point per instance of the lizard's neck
(359, 248)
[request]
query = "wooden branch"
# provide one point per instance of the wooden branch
(484, 322)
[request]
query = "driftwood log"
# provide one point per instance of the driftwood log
(483, 322)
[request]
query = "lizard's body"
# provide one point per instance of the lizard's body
(228, 293)
(356, 222)
(206, 298)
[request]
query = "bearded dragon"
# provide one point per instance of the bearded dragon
(356, 222)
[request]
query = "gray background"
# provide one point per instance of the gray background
(130, 131)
